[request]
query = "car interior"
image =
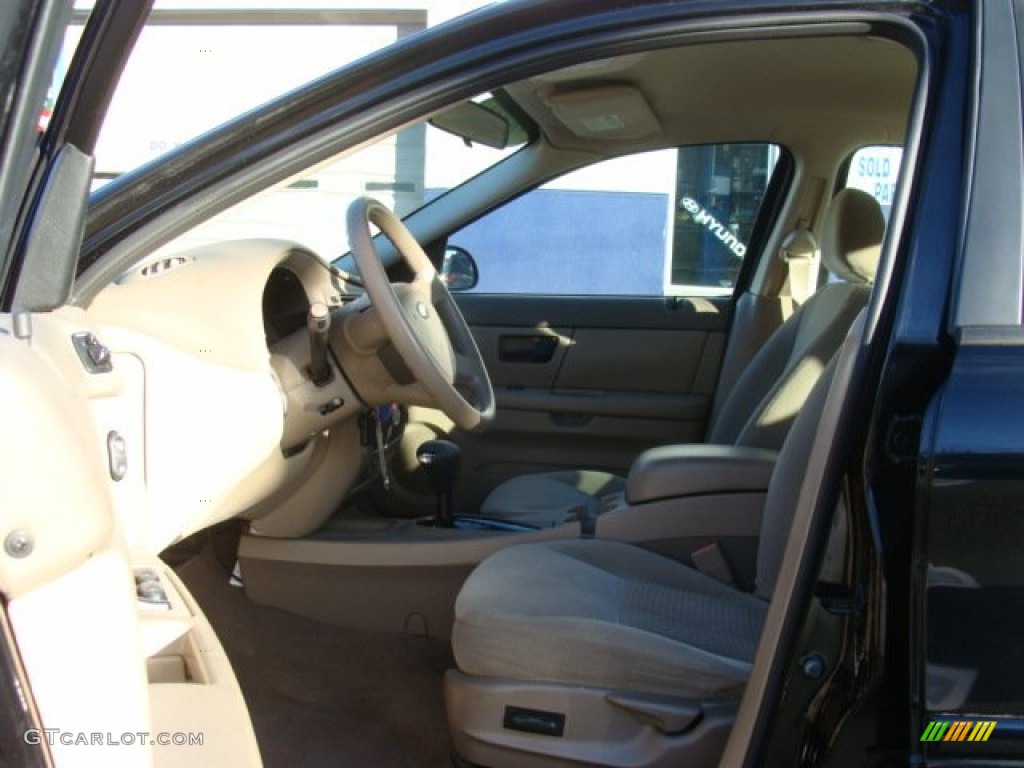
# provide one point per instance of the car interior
(522, 557)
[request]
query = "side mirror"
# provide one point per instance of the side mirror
(458, 270)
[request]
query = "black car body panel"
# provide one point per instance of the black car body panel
(969, 571)
(30, 34)
(942, 479)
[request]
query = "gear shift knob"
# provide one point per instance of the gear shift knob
(440, 460)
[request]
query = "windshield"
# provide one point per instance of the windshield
(403, 170)
(200, 63)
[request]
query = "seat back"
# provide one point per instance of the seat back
(770, 392)
(784, 487)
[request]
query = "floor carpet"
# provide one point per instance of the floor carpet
(320, 695)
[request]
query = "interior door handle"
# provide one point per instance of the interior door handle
(527, 348)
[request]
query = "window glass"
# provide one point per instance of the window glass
(193, 69)
(199, 63)
(876, 171)
(72, 37)
(719, 190)
(672, 222)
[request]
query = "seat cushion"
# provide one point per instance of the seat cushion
(605, 613)
(549, 499)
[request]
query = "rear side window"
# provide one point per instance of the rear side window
(876, 171)
(668, 223)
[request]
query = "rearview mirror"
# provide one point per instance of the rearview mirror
(474, 123)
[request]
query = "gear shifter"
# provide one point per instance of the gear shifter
(440, 460)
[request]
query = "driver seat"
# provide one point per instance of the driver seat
(761, 407)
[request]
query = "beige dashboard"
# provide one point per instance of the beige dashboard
(219, 423)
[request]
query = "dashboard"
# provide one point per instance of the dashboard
(212, 350)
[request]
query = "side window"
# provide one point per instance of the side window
(876, 171)
(665, 223)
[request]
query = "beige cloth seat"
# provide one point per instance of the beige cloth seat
(762, 405)
(610, 615)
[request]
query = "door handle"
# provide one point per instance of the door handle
(571, 420)
(527, 348)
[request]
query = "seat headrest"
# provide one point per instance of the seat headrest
(851, 238)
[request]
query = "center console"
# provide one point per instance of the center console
(403, 575)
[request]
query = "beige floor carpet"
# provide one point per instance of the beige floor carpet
(320, 695)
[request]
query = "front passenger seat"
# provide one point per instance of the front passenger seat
(599, 652)
(767, 397)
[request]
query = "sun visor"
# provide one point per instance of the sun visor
(604, 112)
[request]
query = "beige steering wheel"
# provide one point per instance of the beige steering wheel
(421, 319)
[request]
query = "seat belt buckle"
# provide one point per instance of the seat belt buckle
(588, 521)
(710, 561)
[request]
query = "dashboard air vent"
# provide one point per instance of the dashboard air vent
(163, 265)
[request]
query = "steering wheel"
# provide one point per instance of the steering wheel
(421, 319)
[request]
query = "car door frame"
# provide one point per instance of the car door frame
(865, 694)
(116, 230)
(969, 456)
(32, 31)
(78, 114)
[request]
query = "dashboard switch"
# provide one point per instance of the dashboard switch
(117, 456)
(150, 591)
(95, 355)
(331, 406)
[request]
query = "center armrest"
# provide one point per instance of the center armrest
(672, 471)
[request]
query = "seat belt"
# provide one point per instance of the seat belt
(802, 256)
(800, 248)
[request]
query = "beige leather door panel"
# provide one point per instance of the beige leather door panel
(520, 356)
(636, 360)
